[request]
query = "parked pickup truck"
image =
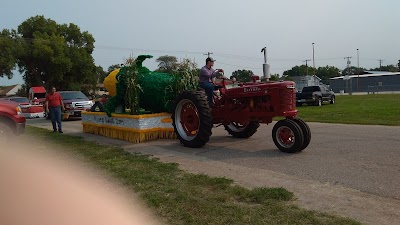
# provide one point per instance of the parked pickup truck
(28, 110)
(315, 95)
(74, 103)
(12, 122)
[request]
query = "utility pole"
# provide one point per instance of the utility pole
(208, 54)
(380, 63)
(398, 66)
(358, 67)
(313, 57)
(306, 61)
(348, 73)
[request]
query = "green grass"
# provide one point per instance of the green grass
(179, 197)
(381, 109)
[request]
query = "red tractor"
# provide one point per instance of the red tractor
(240, 108)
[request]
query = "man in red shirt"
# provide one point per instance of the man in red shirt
(54, 104)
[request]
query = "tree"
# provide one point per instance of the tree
(51, 54)
(274, 77)
(327, 72)
(243, 75)
(23, 91)
(100, 74)
(10, 48)
(113, 67)
(302, 70)
(167, 63)
(353, 70)
(389, 68)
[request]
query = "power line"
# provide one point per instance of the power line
(99, 47)
(208, 54)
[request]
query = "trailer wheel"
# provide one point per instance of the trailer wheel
(318, 102)
(242, 130)
(287, 136)
(192, 119)
(332, 101)
(306, 132)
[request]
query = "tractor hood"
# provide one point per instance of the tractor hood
(258, 88)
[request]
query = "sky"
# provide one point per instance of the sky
(235, 31)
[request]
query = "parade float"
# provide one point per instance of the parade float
(142, 100)
(140, 103)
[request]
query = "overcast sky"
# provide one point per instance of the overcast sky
(234, 30)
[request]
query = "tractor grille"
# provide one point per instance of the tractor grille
(288, 99)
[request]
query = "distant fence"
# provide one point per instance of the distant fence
(384, 88)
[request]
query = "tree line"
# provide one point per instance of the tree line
(327, 72)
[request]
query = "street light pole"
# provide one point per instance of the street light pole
(313, 57)
(358, 67)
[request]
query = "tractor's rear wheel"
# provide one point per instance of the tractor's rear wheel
(238, 130)
(288, 136)
(192, 119)
(306, 132)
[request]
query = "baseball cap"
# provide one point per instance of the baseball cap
(209, 59)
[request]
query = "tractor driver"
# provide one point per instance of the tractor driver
(207, 73)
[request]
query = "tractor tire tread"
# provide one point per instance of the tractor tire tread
(306, 132)
(299, 137)
(200, 100)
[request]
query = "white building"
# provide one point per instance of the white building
(10, 90)
(304, 81)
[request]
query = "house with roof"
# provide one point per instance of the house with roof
(369, 81)
(305, 81)
(9, 90)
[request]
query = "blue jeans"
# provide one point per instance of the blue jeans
(55, 116)
(209, 88)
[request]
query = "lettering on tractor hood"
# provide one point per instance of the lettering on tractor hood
(251, 89)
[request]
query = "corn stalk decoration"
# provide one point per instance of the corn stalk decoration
(142, 90)
(133, 89)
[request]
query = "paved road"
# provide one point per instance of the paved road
(365, 158)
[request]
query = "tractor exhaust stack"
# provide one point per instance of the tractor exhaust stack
(266, 66)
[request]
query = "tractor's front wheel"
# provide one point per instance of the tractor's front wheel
(306, 132)
(192, 119)
(288, 136)
(238, 130)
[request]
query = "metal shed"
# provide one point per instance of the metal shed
(371, 81)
